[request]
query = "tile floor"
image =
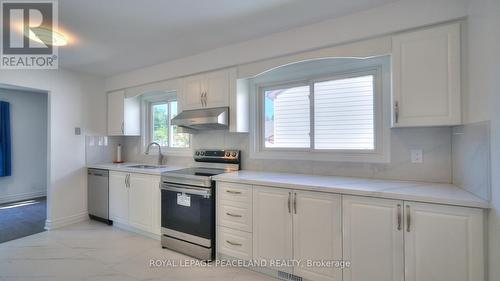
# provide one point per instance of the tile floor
(22, 218)
(94, 251)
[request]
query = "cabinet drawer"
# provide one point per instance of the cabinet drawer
(235, 243)
(234, 192)
(235, 215)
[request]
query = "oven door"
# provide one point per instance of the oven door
(188, 213)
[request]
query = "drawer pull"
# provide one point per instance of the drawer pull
(233, 215)
(233, 243)
(233, 192)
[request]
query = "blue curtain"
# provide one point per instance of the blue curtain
(5, 145)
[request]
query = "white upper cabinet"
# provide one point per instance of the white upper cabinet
(443, 243)
(373, 239)
(124, 114)
(207, 90)
(426, 77)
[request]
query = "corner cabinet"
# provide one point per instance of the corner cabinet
(391, 240)
(124, 114)
(134, 201)
(426, 77)
(208, 90)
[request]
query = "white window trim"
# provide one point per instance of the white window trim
(146, 126)
(381, 154)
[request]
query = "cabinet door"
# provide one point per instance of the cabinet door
(192, 88)
(156, 205)
(317, 233)
(443, 243)
(116, 113)
(272, 225)
(118, 197)
(426, 77)
(216, 86)
(373, 239)
(140, 202)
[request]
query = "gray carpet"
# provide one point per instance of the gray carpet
(22, 218)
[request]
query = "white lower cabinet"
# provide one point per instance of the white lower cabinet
(443, 243)
(381, 239)
(134, 201)
(298, 225)
(388, 240)
(317, 234)
(373, 239)
(272, 225)
(118, 197)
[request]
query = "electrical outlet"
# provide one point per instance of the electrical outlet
(417, 156)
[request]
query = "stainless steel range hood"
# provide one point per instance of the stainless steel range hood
(203, 119)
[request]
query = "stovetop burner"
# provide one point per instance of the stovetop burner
(208, 163)
(203, 172)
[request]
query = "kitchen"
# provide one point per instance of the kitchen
(361, 155)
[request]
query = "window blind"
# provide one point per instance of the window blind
(344, 114)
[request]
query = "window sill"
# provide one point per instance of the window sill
(368, 157)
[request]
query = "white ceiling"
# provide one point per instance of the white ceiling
(115, 36)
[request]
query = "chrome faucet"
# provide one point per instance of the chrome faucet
(160, 155)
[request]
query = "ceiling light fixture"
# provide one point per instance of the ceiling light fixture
(47, 36)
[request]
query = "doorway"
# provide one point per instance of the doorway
(23, 190)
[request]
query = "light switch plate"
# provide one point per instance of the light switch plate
(417, 156)
(78, 131)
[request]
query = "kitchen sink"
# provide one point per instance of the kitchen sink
(144, 166)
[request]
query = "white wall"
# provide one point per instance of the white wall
(29, 146)
(75, 100)
(482, 101)
(390, 18)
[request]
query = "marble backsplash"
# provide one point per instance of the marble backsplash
(471, 158)
(435, 142)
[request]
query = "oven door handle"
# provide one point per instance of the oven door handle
(187, 190)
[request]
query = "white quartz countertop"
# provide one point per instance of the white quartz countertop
(401, 190)
(124, 167)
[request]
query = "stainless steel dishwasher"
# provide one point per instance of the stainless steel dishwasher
(98, 195)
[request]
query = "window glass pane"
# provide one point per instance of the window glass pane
(344, 114)
(178, 139)
(159, 115)
(286, 117)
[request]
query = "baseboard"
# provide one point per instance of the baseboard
(135, 230)
(22, 196)
(58, 223)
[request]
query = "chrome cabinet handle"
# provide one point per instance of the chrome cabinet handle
(201, 99)
(233, 192)
(399, 217)
(408, 218)
(234, 243)
(295, 203)
(233, 215)
(205, 98)
(396, 112)
(128, 180)
(123, 127)
(289, 202)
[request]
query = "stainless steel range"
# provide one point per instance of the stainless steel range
(188, 203)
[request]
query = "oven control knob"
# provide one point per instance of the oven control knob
(233, 154)
(228, 154)
(197, 153)
(202, 153)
